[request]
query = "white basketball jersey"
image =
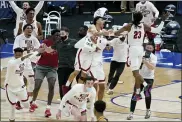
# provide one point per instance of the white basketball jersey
(29, 43)
(136, 35)
(35, 28)
(14, 74)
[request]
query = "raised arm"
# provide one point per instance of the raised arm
(20, 28)
(39, 7)
(15, 7)
(154, 9)
(123, 29)
(159, 28)
(40, 34)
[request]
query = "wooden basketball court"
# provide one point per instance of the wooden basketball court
(165, 106)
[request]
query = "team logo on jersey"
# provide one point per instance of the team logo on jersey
(144, 11)
(20, 70)
(23, 17)
(29, 44)
(82, 97)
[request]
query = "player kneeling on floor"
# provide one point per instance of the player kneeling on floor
(14, 84)
(75, 101)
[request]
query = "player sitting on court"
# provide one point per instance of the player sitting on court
(75, 101)
(99, 108)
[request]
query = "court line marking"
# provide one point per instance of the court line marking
(108, 111)
(112, 99)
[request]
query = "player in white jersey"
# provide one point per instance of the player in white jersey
(96, 69)
(147, 72)
(37, 28)
(29, 43)
(75, 101)
(20, 13)
(136, 31)
(150, 14)
(83, 59)
(14, 84)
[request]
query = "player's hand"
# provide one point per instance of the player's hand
(58, 115)
(105, 33)
(41, 50)
(144, 60)
(94, 39)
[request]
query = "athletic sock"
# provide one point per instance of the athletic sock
(145, 84)
(48, 107)
(138, 91)
(68, 83)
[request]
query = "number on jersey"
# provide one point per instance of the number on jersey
(137, 35)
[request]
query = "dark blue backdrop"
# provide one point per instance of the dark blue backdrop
(5, 10)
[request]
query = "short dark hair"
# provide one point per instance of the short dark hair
(100, 106)
(54, 31)
(137, 17)
(88, 78)
(28, 10)
(18, 50)
(85, 27)
(95, 19)
(25, 26)
(66, 29)
(152, 44)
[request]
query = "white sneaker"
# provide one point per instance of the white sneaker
(110, 92)
(130, 116)
(148, 113)
(120, 82)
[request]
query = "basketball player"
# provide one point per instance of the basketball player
(37, 28)
(99, 108)
(14, 84)
(147, 72)
(118, 62)
(30, 44)
(97, 25)
(136, 31)
(75, 101)
(150, 14)
(20, 13)
(83, 59)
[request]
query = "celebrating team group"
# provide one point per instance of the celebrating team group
(33, 62)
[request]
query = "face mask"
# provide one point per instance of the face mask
(63, 38)
(147, 54)
(81, 35)
(89, 89)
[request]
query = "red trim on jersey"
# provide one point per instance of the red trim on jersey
(96, 78)
(26, 99)
(8, 96)
(79, 63)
